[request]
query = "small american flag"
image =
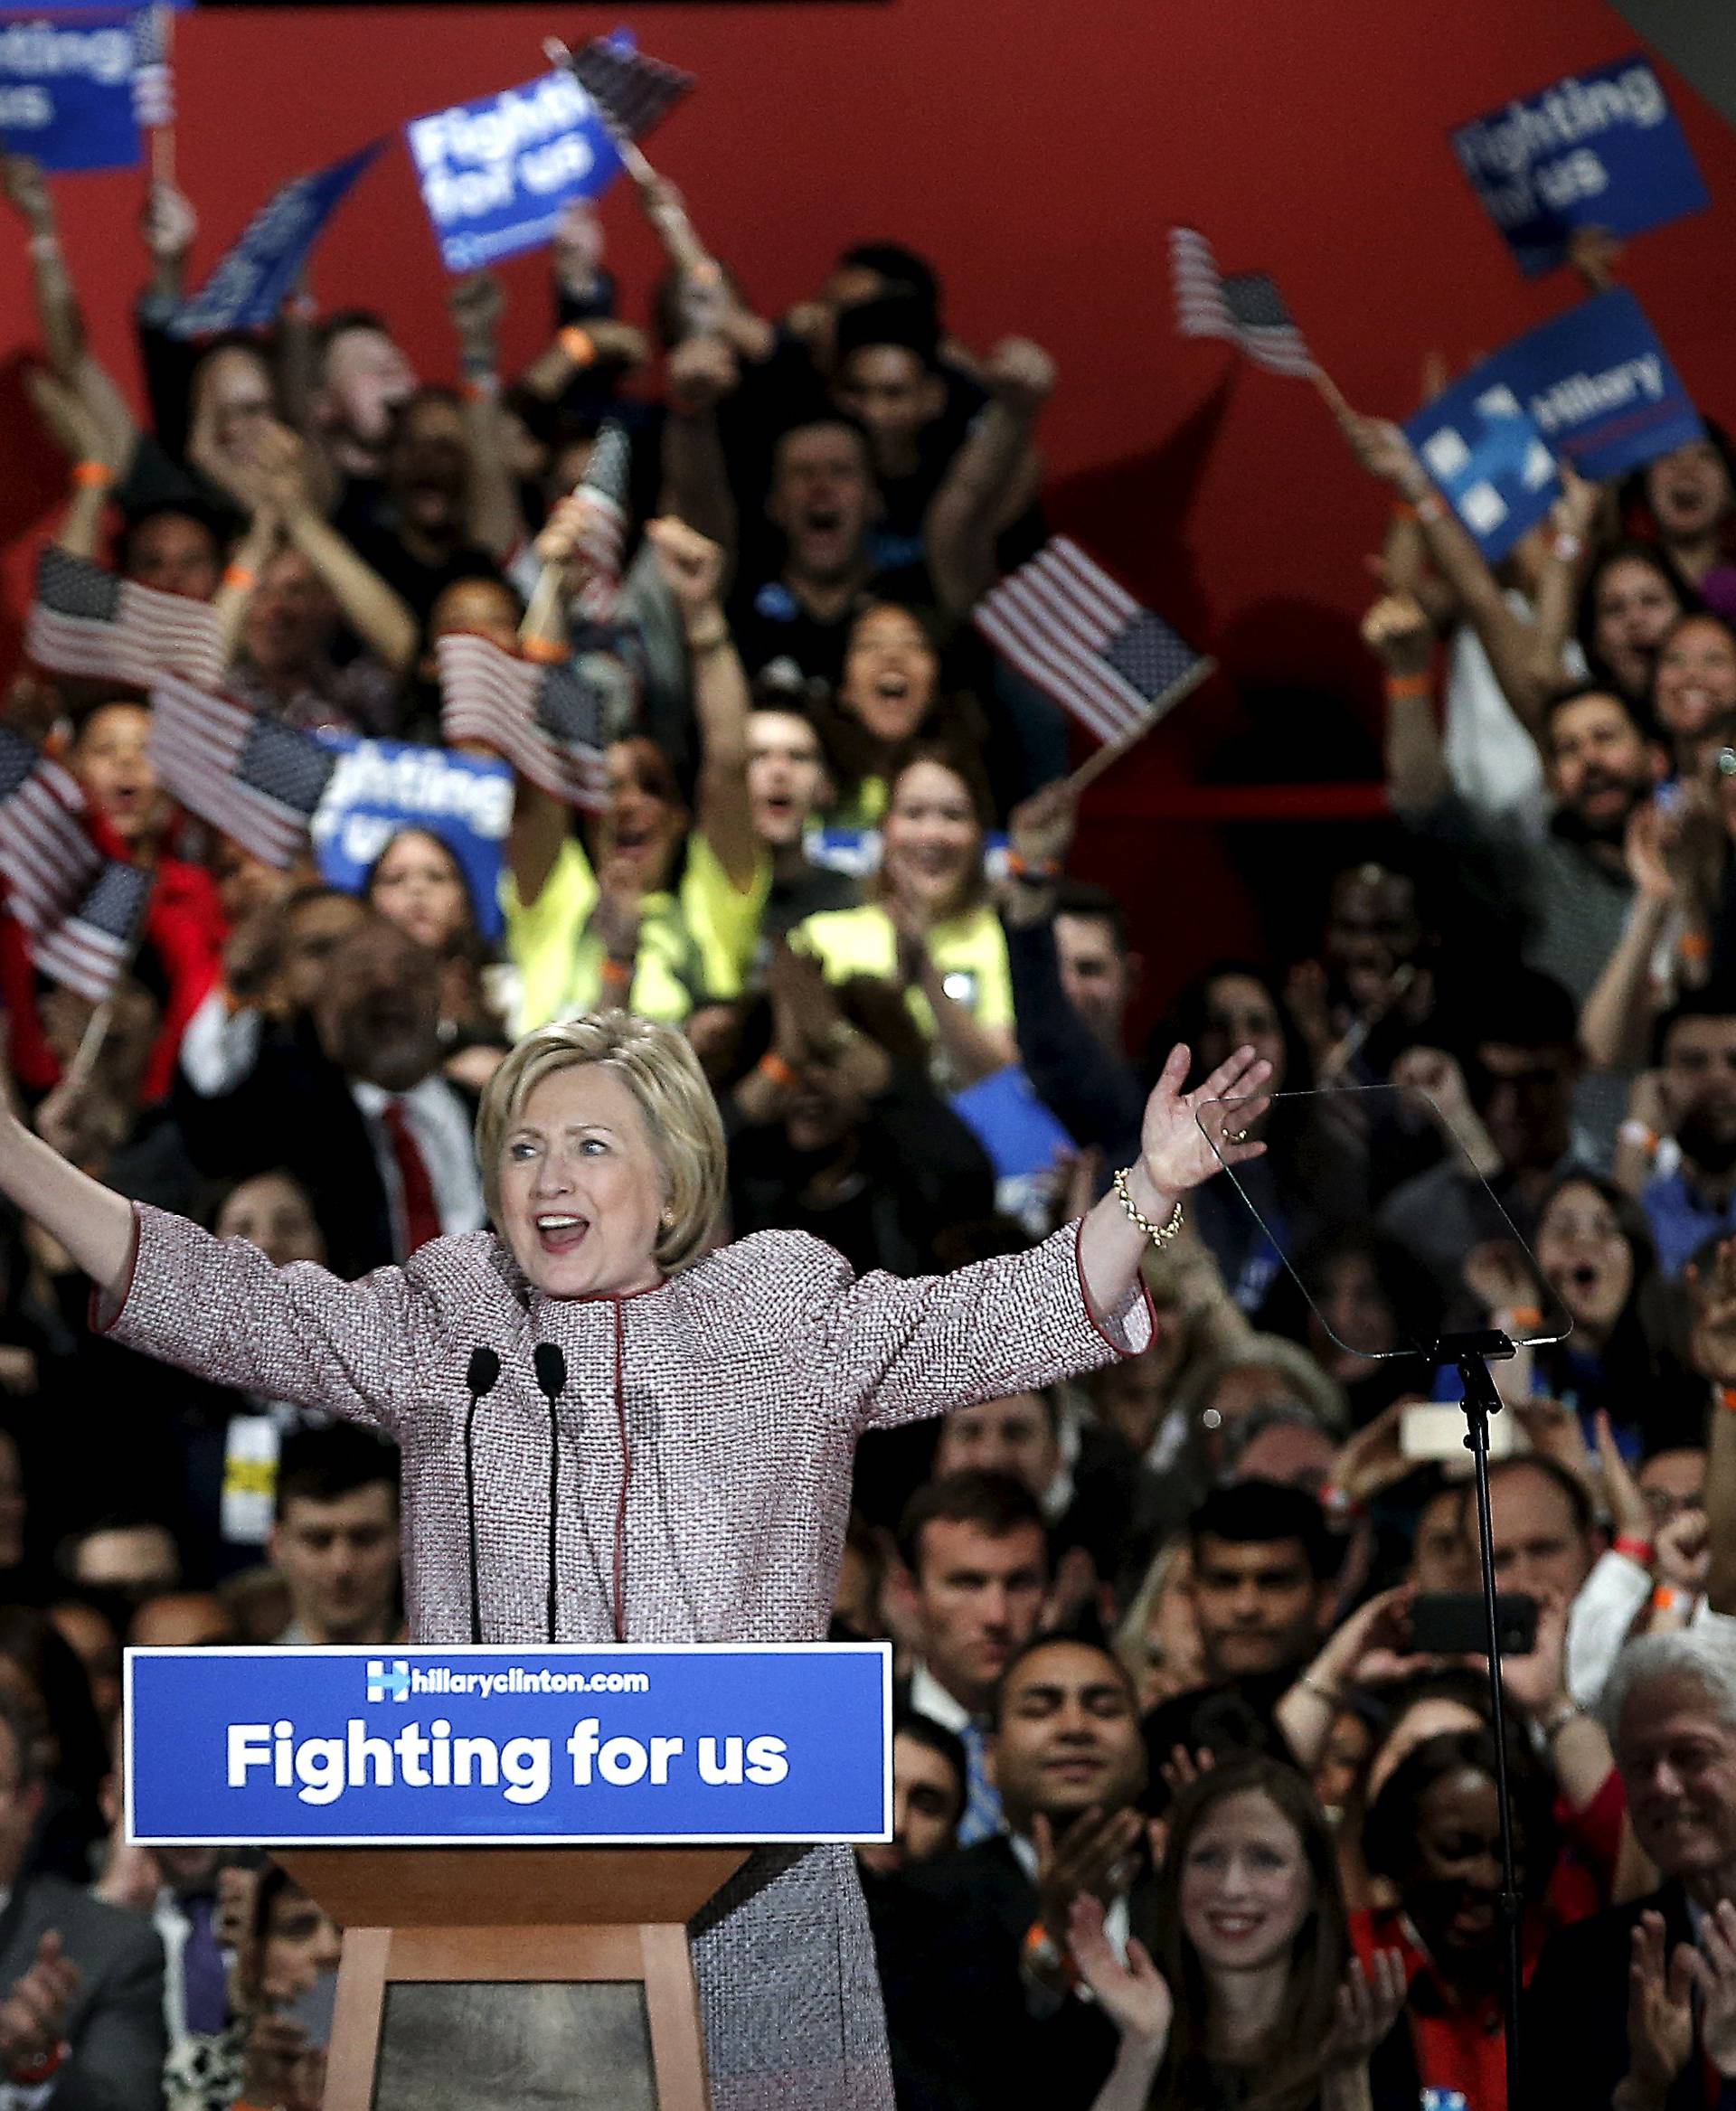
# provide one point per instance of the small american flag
(153, 76)
(1246, 307)
(604, 485)
(86, 621)
(46, 858)
(633, 93)
(1066, 625)
(253, 778)
(547, 722)
(87, 951)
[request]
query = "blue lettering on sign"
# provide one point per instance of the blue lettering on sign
(774, 1742)
(1597, 387)
(380, 787)
(1599, 149)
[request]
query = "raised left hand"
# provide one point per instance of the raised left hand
(1176, 1151)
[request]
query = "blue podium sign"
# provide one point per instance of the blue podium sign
(673, 1745)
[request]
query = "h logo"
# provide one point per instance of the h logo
(389, 1685)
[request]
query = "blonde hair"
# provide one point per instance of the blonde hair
(661, 1071)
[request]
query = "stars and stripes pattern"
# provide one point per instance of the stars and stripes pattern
(633, 93)
(1246, 307)
(46, 858)
(89, 949)
(1065, 625)
(153, 76)
(86, 621)
(604, 533)
(547, 722)
(253, 778)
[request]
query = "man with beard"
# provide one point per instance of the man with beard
(1697, 1199)
(347, 1097)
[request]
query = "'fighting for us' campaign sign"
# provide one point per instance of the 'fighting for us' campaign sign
(497, 174)
(1599, 149)
(66, 90)
(382, 787)
(665, 1745)
(1595, 386)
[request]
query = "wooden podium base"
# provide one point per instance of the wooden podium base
(593, 1940)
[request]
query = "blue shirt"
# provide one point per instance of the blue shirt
(1680, 1223)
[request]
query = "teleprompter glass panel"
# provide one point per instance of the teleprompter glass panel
(507, 2046)
(1449, 1212)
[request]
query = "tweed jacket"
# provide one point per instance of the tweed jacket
(716, 1418)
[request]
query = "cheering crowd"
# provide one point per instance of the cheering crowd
(1194, 1782)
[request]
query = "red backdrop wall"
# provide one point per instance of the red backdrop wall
(1039, 154)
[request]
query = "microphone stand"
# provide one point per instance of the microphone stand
(1471, 1355)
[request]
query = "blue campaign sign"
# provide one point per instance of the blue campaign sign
(1488, 459)
(497, 174)
(380, 787)
(66, 89)
(667, 1744)
(1598, 385)
(251, 282)
(1599, 149)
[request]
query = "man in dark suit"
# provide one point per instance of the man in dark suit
(981, 1996)
(346, 1095)
(80, 1982)
(1590, 2037)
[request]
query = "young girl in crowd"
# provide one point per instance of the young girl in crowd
(1595, 1248)
(1251, 1999)
(1631, 597)
(418, 881)
(930, 926)
(891, 694)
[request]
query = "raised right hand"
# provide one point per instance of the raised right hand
(1136, 1995)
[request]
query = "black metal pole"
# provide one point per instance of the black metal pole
(1481, 1401)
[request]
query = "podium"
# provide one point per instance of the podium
(513, 1841)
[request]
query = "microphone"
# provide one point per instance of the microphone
(481, 1378)
(551, 1367)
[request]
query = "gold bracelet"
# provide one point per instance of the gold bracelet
(1158, 1234)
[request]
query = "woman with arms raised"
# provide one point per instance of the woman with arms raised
(687, 1475)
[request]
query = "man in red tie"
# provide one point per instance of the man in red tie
(345, 1093)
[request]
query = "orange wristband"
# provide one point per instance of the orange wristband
(1663, 1598)
(1526, 1315)
(1694, 946)
(1401, 688)
(578, 345)
(544, 651)
(774, 1068)
(238, 576)
(618, 975)
(1727, 1398)
(92, 475)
